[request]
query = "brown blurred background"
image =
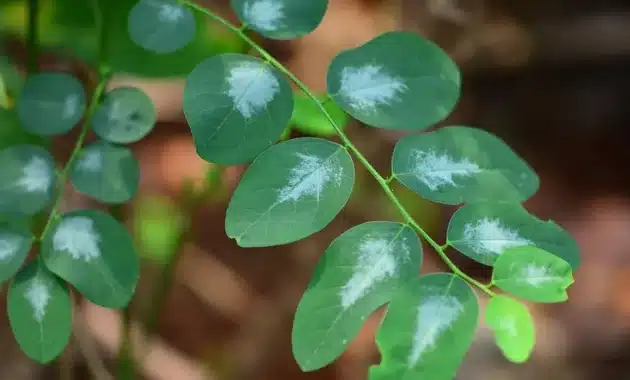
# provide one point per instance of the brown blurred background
(552, 78)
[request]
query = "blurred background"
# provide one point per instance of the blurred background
(551, 78)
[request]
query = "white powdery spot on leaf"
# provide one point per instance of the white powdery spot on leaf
(367, 87)
(435, 315)
(70, 106)
(490, 236)
(309, 178)
(375, 263)
(9, 245)
(38, 295)
(438, 170)
(36, 176)
(251, 87)
(265, 15)
(508, 325)
(537, 275)
(91, 160)
(76, 236)
(170, 12)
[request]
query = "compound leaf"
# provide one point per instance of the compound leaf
(95, 253)
(236, 106)
(359, 272)
(106, 172)
(292, 190)
(532, 274)
(397, 80)
(161, 26)
(51, 103)
(513, 327)
(281, 19)
(40, 312)
(15, 243)
(309, 119)
(28, 177)
(427, 330)
(483, 231)
(126, 115)
(461, 164)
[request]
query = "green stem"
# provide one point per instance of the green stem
(32, 40)
(347, 143)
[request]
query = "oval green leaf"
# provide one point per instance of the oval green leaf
(359, 272)
(28, 177)
(533, 274)
(397, 80)
(126, 115)
(281, 19)
(427, 330)
(459, 164)
(15, 243)
(236, 106)
(483, 231)
(51, 103)
(106, 172)
(291, 191)
(95, 253)
(40, 312)
(309, 119)
(161, 26)
(513, 327)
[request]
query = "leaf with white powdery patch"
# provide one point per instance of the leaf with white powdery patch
(291, 191)
(513, 327)
(427, 330)
(27, 178)
(281, 19)
(397, 80)
(236, 107)
(459, 164)
(359, 272)
(533, 274)
(94, 253)
(483, 231)
(40, 312)
(15, 242)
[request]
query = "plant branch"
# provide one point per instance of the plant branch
(32, 36)
(347, 143)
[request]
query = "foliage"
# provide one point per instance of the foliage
(238, 106)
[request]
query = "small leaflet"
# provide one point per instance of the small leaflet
(77, 236)
(368, 87)
(251, 87)
(310, 177)
(440, 170)
(490, 236)
(266, 15)
(38, 296)
(36, 176)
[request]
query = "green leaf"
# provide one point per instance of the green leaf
(126, 115)
(106, 172)
(40, 312)
(359, 272)
(51, 103)
(513, 327)
(533, 274)
(15, 243)
(397, 80)
(291, 191)
(483, 231)
(237, 106)
(161, 26)
(94, 253)
(427, 330)
(459, 164)
(27, 179)
(281, 19)
(309, 119)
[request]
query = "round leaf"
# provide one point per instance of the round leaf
(15, 243)
(126, 115)
(483, 231)
(533, 274)
(51, 103)
(237, 106)
(397, 80)
(308, 118)
(40, 312)
(461, 164)
(281, 19)
(106, 172)
(94, 253)
(292, 190)
(513, 327)
(427, 330)
(27, 177)
(161, 26)
(359, 272)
